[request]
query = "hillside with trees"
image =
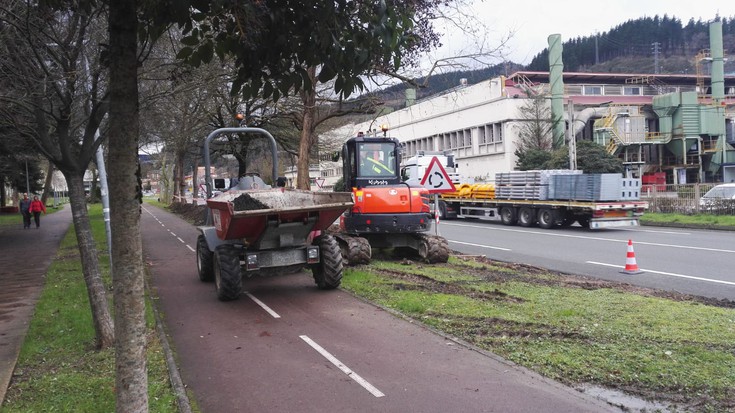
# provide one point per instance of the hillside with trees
(630, 47)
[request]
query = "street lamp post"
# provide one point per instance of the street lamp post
(28, 180)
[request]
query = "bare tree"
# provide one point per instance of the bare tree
(56, 98)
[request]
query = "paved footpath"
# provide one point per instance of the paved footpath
(25, 255)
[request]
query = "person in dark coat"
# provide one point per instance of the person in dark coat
(36, 208)
(25, 210)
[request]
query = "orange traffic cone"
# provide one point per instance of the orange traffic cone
(630, 266)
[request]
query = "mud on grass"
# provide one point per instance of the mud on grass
(668, 347)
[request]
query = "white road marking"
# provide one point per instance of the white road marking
(671, 274)
(661, 232)
(552, 234)
(479, 245)
(262, 304)
(172, 233)
(354, 376)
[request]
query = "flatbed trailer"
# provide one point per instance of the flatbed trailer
(545, 213)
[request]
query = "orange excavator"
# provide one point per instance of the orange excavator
(387, 212)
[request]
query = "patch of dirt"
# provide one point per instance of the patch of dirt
(196, 214)
(422, 283)
(245, 202)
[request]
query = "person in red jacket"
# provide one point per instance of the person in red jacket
(36, 208)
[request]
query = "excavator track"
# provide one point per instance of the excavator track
(433, 248)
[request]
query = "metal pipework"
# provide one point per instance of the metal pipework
(718, 64)
(556, 70)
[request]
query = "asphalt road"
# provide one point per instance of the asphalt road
(690, 261)
(287, 346)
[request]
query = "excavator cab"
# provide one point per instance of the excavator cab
(371, 161)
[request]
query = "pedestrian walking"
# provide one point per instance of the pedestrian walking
(36, 208)
(25, 210)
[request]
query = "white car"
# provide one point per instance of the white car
(720, 199)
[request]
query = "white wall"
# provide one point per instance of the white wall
(465, 111)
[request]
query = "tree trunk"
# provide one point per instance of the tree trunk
(101, 318)
(308, 98)
(131, 384)
(175, 179)
(195, 179)
(181, 177)
(47, 185)
(2, 191)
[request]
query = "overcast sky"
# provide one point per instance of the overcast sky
(534, 20)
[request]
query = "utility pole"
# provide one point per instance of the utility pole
(656, 50)
(572, 138)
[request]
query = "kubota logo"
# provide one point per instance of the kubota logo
(393, 192)
(378, 182)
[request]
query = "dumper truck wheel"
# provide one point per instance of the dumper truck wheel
(328, 272)
(227, 277)
(205, 260)
(508, 215)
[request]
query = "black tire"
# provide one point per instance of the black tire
(423, 249)
(584, 222)
(328, 272)
(438, 249)
(508, 215)
(442, 210)
(359, 251)
(205, 260)
(547, 218)
(568, 220)
(227, 276)
(526, 217)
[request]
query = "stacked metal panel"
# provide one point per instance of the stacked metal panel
(586, 187)
(518, 178)
(530, 185)
(518, 185)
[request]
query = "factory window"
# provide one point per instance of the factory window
(632, 91)
(592, 90)
(481, 135)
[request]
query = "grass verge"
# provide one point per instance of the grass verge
(58, 368)
(579, 331)
(701, 220)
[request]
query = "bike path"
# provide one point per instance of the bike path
(25, 256)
